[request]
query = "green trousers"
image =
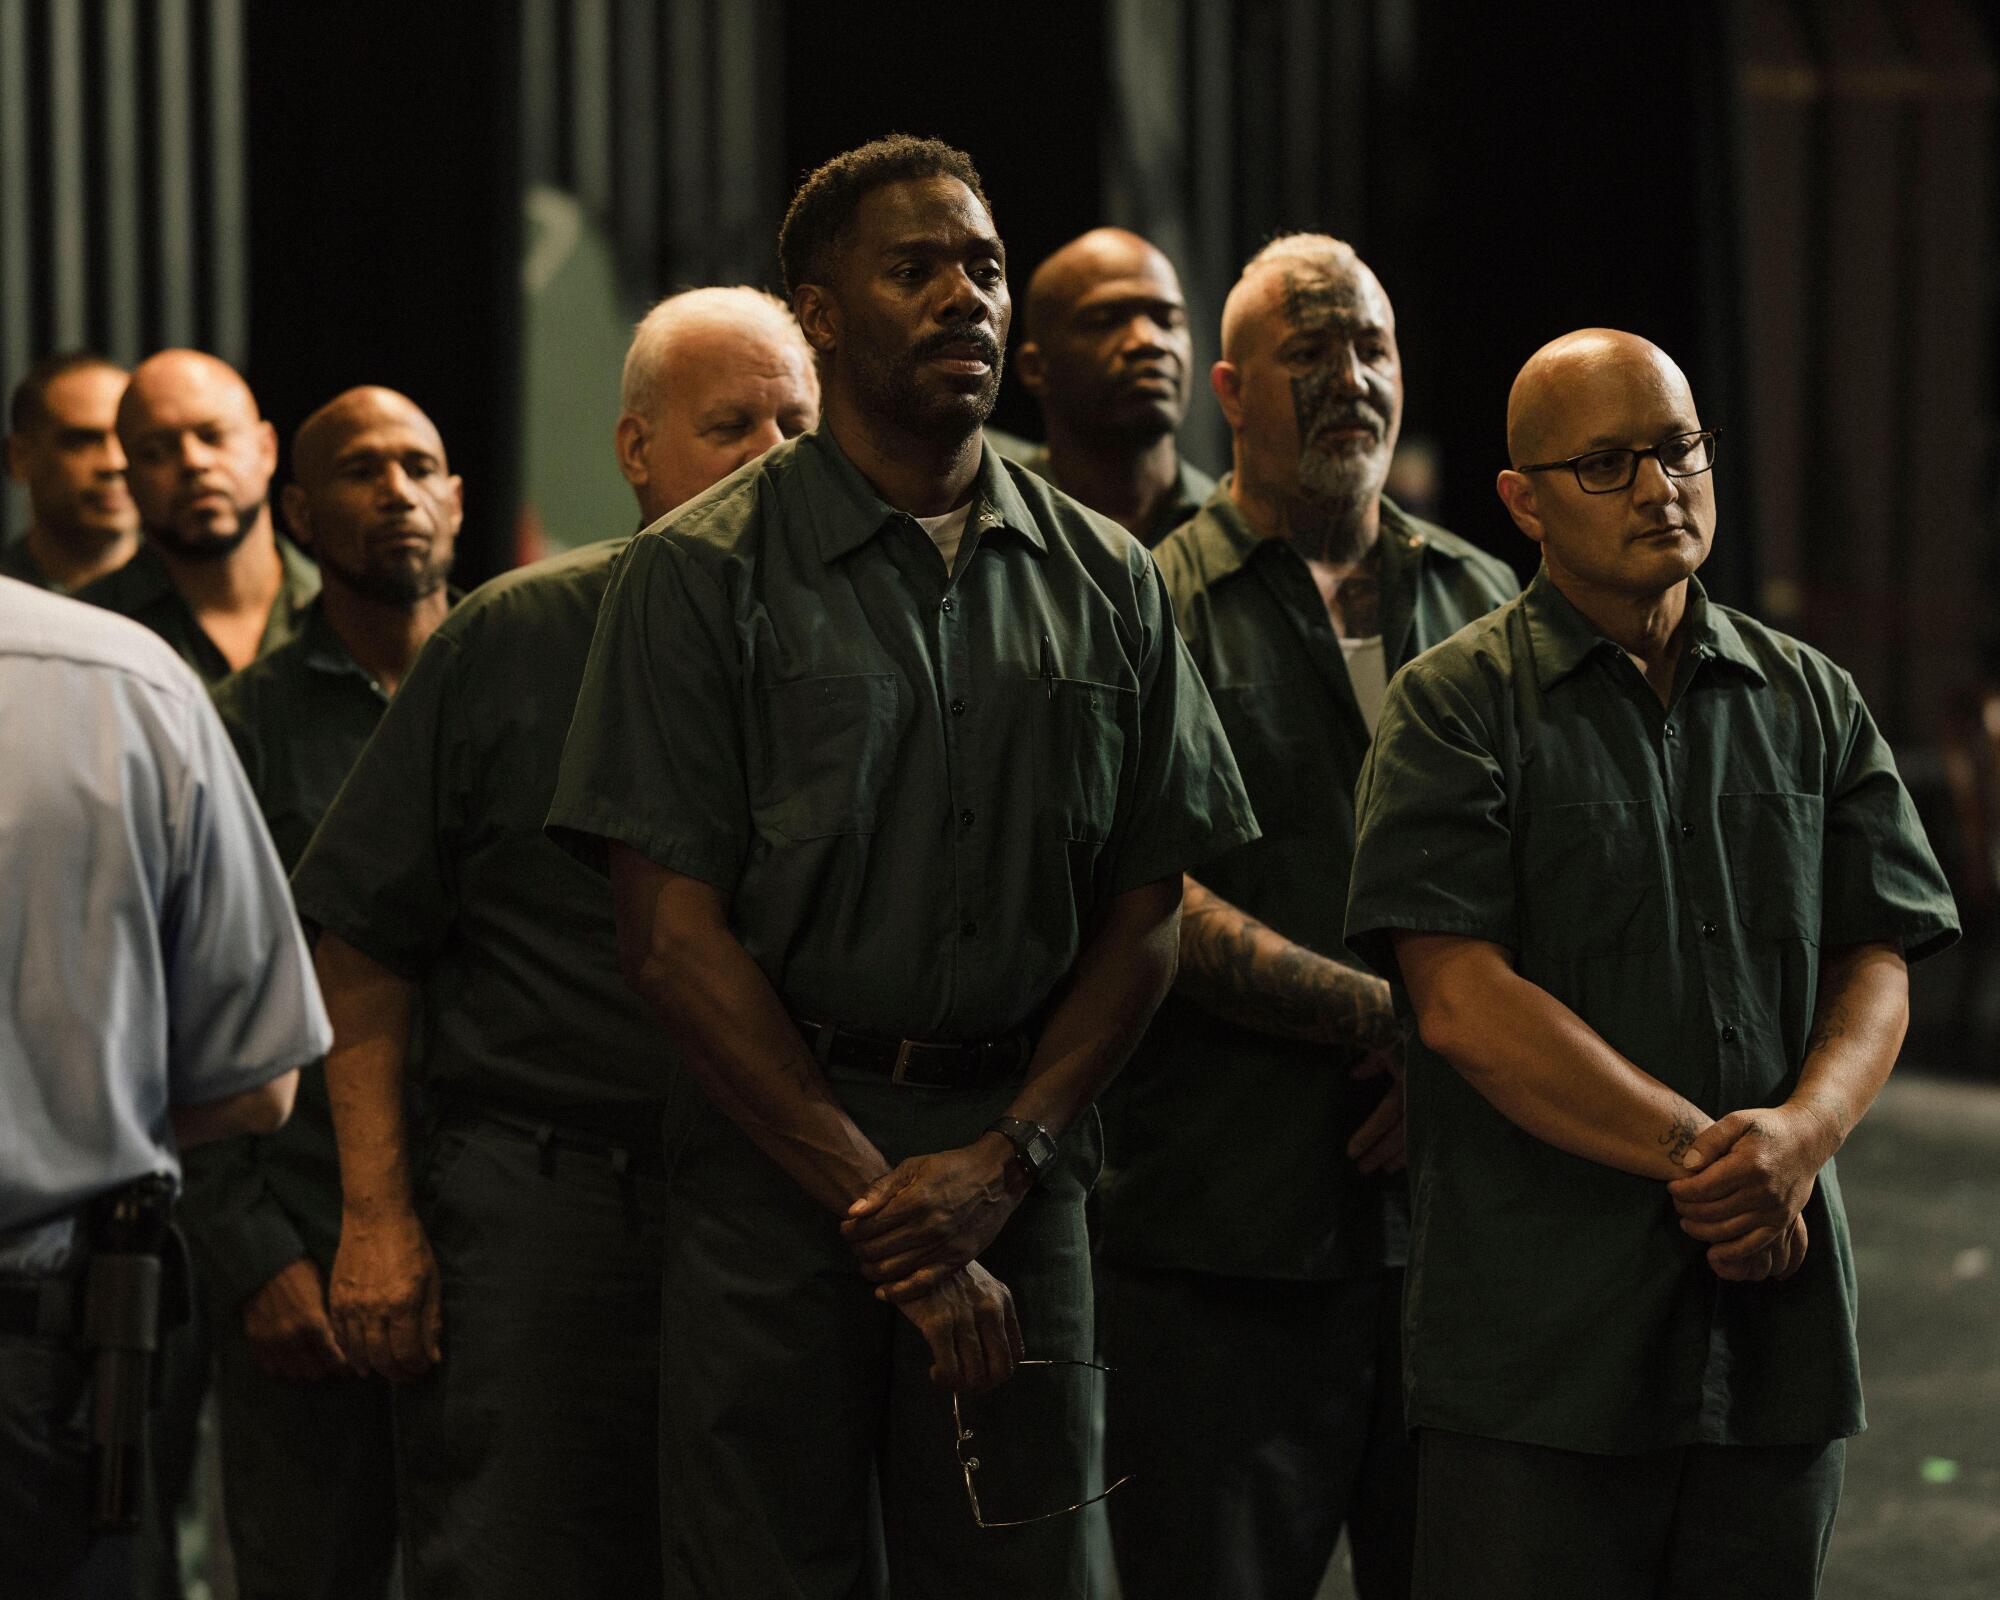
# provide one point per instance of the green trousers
(784, 1381)
(1508, 1521)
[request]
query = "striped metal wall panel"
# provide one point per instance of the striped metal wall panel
(123, 222)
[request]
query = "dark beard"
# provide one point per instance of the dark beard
(394, 586)
(208, 548)
(890, 390)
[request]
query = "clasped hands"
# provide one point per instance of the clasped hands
(917, 1231)
(1750, 1176)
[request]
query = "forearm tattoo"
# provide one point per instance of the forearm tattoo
(1273, 986)
(1679, 1136)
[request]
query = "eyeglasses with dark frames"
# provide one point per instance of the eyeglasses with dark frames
(969, 1464)
(1686, 455)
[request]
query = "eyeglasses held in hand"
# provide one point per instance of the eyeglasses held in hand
(969, 1464)
(1687, 455)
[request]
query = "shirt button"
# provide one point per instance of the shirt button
(965, 818)
(1670, 730)
(958, 708)
(1728, 1034)
(968, 928)
(1687, 830)
(946, 605)
(1708, 930)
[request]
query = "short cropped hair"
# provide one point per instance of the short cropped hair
(1315, 252)
(827, 200)
(29, 405)
(640, 389)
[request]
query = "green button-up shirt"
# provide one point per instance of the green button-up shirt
(298, 719)
(1224, 1147)
(920, 788)
(1672, 875)
(144, 590)
(1192, 488)
(432, 862)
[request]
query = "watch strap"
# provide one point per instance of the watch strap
(1034, 1146)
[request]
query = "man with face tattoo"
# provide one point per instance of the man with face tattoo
(1107, 353)
(1253, 1205)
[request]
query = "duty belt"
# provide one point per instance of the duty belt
(920, 1063)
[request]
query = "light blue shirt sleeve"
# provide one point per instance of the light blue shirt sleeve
(149, 952)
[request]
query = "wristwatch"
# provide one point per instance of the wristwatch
(1034, 1146)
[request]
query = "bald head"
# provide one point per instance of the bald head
(372, 497)
(318, 443)
(1573, 387)
(1086, 261)
(713, 379)
(201, 456)
(1106, 349)
(1602, 390)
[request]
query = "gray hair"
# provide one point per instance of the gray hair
(639, 392)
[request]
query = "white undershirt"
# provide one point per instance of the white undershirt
(1367, 672)
(946, 532)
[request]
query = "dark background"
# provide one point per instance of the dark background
(1794, 197)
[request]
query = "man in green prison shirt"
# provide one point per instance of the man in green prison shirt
(1650, 879)
(502, 1262)
(212, 575)
(1254, 1208)
(307, 1466)
(1106, 352)
(899, 761)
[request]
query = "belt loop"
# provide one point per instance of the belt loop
(621, 1171)
(545, 1149)
(903, 1048)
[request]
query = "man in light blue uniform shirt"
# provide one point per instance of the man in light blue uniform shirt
(154, 993)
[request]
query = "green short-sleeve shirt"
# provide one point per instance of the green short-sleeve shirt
(1192, 488)
(297, 718)
(144, 590)
(919, 788)
(432, 862)
(1672, 875)
(1204, 1104)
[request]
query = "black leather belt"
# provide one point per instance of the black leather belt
(637, 1153)
(917, 1062)
(37, 1308)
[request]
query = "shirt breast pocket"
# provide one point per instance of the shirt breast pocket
(829, 748)
(1590, 876)
(1082, 754)
(1774, 844)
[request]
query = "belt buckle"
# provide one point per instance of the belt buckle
(901, 1072)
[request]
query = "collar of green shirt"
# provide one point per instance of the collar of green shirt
(847, 512)
(1228, 541)
(323, 650)
(1562, 638)
(144, 580)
